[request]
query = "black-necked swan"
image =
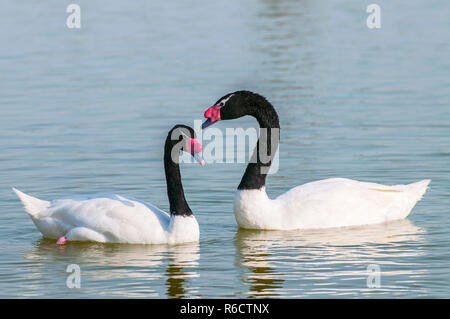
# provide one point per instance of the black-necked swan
(119, 219)
(334, 202)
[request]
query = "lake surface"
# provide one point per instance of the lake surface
(87, 110)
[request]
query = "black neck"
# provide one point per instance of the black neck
(256, 172)
(175, 192)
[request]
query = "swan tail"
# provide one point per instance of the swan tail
(414, 193)
(33, 206)
(418, 189)
(404, 198)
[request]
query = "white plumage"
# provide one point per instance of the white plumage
(335, 202)
(108, 219)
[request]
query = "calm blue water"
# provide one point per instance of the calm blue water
(87, 110)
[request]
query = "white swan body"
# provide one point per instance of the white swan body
(118, 219)
(334, 202)
(109, 219)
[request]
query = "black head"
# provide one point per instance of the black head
(183, 138)
(235, 105)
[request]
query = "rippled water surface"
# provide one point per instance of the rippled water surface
(87, 110)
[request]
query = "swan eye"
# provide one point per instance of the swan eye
(225, 100)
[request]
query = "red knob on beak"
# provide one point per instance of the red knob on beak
(194, 147)
(213, 115)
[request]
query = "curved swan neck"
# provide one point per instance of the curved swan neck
(264, 152)
(175, 192)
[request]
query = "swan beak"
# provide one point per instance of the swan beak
(212, 116)
(199, 159)
(207, 123)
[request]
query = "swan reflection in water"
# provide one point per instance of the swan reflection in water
(322, 262)
(117, 270)
(182, 264)
(313, 263)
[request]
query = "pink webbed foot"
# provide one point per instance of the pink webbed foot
(62, 240)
